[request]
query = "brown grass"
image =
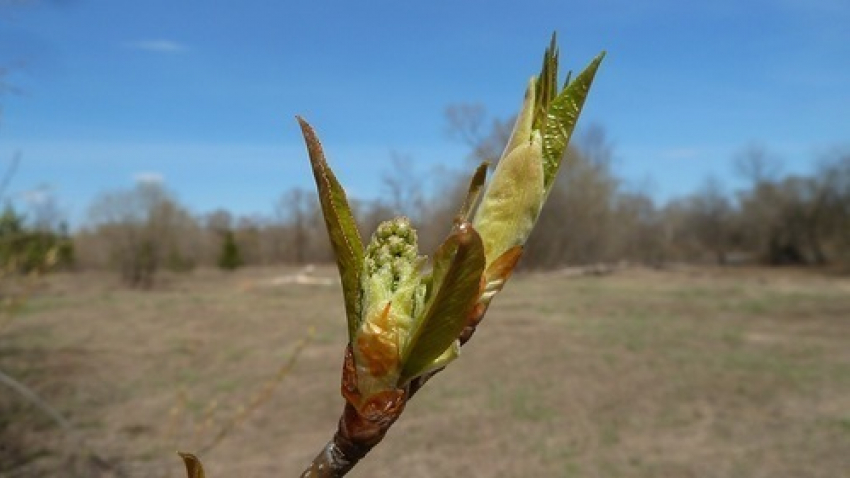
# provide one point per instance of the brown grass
(678, 373)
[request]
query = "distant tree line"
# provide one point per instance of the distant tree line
(593, 217)
(775, 220)
(590, 217)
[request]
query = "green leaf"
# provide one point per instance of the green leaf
(344, 236)
(561, 118)
(456, 286)
(524, 126)
(513, 200)
(193, 465)
(546, 84)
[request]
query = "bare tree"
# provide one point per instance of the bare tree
(710, 219)
(576, 224)
(758, 165)
(437, 218)
(760, 206)
(834, 177)
(296, 209)
(140, 228)
(595, 146)
(467, 123)
(219, 220)
(403, 186)
(638, 229)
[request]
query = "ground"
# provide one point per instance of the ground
(683, 372)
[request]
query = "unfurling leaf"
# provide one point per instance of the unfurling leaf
(476, 184)
(513, 200)
(561, 117)
(499, 271)
(527, 169)
(524, 126)
(342, 229)
(193, 465)
(454, 290)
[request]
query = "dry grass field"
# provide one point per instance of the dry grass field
(689, 372)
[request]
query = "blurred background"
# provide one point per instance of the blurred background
(714, 132)
(158, 202)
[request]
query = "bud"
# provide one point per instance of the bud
(525, 173)
(404, 322)
(512, 202)
(392, 294)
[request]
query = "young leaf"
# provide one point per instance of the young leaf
(344, 236)
(561, 117)
(193, 465)
(524, 125)
(498, 272)
(513, 200)
(476, 184)
(458, 268)
(546, 84)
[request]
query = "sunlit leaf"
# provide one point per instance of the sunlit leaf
(546, 87)
(495, 277)
(512, 203)
(193, 465)
(561, 117)
(458, 267)
(524, 126)
(499, 271)
(342, 229)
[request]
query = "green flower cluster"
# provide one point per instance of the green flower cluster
(392, 295)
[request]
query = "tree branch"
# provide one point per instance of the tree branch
(36, 400)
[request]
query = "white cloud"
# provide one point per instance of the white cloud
(157, 46)
(38, 195)
(149, 177)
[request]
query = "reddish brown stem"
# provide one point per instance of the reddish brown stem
(331, 462)
(356, 435)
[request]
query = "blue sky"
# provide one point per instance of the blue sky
(203, 94)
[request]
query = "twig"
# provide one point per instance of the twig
(36, 400)
(10, 172)
(92, 457)
(264, 394)
(356, 434)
